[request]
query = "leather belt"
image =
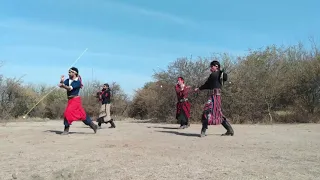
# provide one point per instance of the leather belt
(183, 100)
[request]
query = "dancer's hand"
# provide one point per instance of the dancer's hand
(196, 89)
(62, 78)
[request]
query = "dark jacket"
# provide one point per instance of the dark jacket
(214, 81)
(105, 96)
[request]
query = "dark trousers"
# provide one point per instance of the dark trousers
(224, 123)
(87, 121)
(182, 118)
(205, 123)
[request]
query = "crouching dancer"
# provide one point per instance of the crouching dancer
(212, 113)
(74, 110)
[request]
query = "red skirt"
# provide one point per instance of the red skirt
(74, 110)
(183, 107)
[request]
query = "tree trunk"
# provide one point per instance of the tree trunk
(269, 112)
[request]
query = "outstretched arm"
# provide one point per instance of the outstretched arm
(177, 88)
(206, 85)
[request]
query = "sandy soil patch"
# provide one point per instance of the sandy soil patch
(141, 151)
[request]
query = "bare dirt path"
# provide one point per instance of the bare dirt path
(144, 151)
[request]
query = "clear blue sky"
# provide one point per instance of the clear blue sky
(126, 40)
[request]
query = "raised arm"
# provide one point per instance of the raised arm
(177, 88)
(74, 85)
(183, 92)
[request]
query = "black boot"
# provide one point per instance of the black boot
(204, 126)
(184, 122)
(228, 127)
(94, 127)
(180, 119)
(187, 123)
(203, 132)
(99, 125)
(182, 126)
(112, 124)
(100, 121)
(66, 130)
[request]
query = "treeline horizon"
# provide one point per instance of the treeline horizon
(275, 84)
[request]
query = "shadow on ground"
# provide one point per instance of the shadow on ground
(162, 127)
(102, 127)
(141, 121)
(187, 134)
(60, 132)
(181, 133)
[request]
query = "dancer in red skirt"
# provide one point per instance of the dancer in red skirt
(212, 113)
(74, 110)
(183, 105)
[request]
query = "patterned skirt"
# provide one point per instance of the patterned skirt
(212, 112)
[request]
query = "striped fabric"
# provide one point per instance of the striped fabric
(212, 110)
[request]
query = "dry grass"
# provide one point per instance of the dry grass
(141, 151)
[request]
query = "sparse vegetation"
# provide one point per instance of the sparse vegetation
(262, 84)
(273, 84)
(17, 99)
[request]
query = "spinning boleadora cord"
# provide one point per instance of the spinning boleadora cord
(212, 113)
(74, 110)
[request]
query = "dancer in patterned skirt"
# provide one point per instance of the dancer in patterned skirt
(212, 113)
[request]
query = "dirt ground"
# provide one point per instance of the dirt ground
(141, 151)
